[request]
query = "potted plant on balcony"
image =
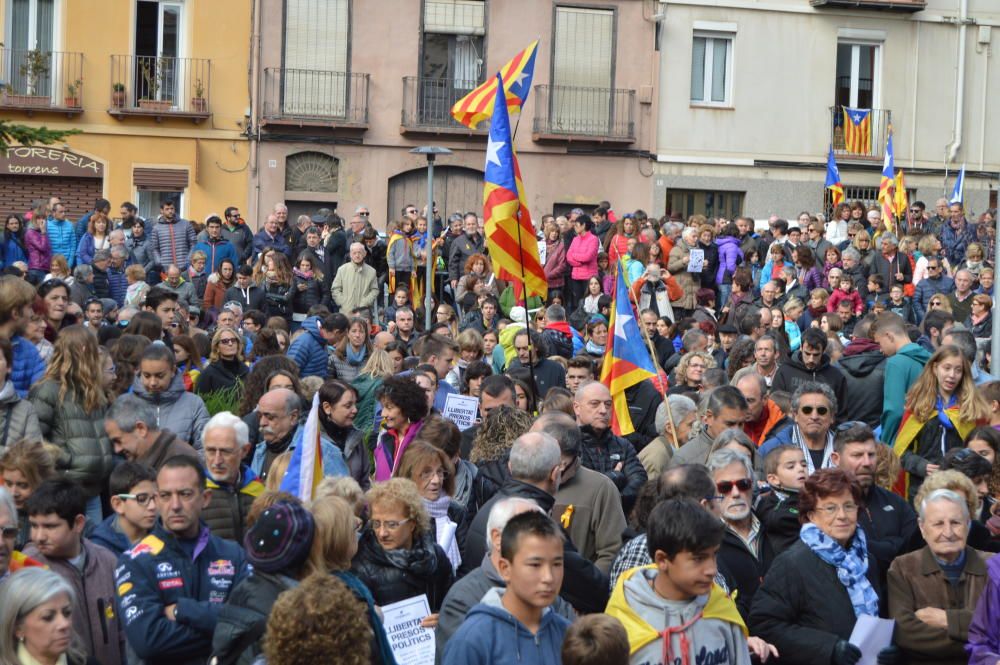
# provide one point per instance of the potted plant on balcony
(72, 90)
(153, 73)
(118, 95)
(34, 68)
(198, 103)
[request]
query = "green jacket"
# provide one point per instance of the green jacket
(901, 371)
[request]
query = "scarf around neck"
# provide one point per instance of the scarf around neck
(445, 527)
(851, 565)
(801, 443)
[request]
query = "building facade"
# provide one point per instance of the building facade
(752, 95)
(344, 89)
(159, 90)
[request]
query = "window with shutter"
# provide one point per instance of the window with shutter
(317, 34)
(582, 69)
(311, 172)
(455, 17)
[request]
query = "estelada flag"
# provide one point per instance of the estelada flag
(858, 131)
(833, 182)
(478, 105)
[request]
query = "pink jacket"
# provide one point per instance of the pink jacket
(582, 255)
(853, 297)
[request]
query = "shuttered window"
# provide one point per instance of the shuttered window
(582, 69)
(455, 17)
(317, 34)
(160, 180)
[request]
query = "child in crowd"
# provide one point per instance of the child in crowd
(991, 393)
(400, 298)
(898, 302)
(516, 624)
(595, 639)
(135, 294)
(132, 487)
(786, 470)
(845, 291)
(672, 610)
(876, 287)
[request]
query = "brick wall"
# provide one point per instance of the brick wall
(19, 192)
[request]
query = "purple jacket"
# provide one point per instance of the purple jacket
(730, 255)
(813, 279)
(983, 646)
(39, 250)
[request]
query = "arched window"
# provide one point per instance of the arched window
(311, 172)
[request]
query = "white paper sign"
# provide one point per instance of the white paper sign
(697, 260)
(871, 635)
(410, 643)
(461, 410)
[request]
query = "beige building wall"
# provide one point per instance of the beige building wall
(771, 141)
(580, 171)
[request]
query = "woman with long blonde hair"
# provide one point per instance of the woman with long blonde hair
(940, 411)
(71, 404)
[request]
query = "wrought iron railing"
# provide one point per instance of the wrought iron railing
(305, 94)
(36, 79)
(161, 85)
(864, 140)
(600, 113)
(427, 103)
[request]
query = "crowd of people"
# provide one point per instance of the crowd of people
(821, 440)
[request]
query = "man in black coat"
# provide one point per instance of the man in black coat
(863, 365)
(535, 466)
(811, 363)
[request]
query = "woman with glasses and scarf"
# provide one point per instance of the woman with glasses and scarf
(940, 411)
(829, 562)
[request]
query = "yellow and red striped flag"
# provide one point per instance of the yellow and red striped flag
(517, 73)
(858, 131)
(510, 238)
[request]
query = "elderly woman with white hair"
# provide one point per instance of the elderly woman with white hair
(933, 592)
(36, 620)
(674, 420)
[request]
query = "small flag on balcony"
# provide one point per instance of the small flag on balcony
(510, 238)
(833, 182)
(958, 193)
(886, 187)
(858, 131)
(478, 104)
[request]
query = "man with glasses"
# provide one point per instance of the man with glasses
(133, 499)
(235, 230)
(934, 283)
(811, 363)
(172, 585)
(464, 247)
(935, 225)
(813, 409)
(357, 227)
(745, 553)
(226, 443)
(916, 223)
(11, 560)
(133, 432)
(887, 519)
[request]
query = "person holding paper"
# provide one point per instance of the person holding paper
(933, 591)
(813, 594)
(678, 264)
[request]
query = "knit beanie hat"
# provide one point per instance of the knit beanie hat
(281, 537)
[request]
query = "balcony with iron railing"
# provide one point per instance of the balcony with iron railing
(160, 87)
(867, 142)
(427, 106)
(568, 113)
(302, 97)
(36, 81)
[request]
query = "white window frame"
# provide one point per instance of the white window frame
(856, 45)
(33, 24)
(139, 194)
(710, 35)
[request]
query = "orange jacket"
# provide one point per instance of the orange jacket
(770, 416)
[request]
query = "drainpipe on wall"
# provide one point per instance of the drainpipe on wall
(963, 30)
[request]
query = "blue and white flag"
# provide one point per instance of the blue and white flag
(958, 193)
(305, 469)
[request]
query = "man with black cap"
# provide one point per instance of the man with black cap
(277, 546)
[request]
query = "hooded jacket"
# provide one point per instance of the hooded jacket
(249, 298)
(28, 365)
(863, 365)
(86, 450)
(181, 412)
(792, 374)
(730, 256)
(17, 418)
(901, 372)
(423, 569)
(217, 250)
(563, 340)
(171, 243)
(308, 351)
(716, 633)
(491, 635)
(109, 535)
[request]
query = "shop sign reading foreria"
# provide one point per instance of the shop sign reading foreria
(42, 161)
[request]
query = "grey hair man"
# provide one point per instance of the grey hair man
(722, 408)
(814, 407)
(470, 589)
(226, 443)
(8, 530)
(596, 520)
(131, 427)
(674, 433)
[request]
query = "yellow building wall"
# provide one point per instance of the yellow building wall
(214, 151)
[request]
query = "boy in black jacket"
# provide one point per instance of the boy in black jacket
(778, 510)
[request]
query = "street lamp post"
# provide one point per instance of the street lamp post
(431, 152)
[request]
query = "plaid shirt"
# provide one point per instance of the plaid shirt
(635, 554)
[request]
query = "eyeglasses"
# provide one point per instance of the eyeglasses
(933, 267)
(229, 341)
(427, 474)
(408, 212)
(851, 235)
(832, 509)
(821, 410)
(142, 499)
(726, 486)
(364, 214)
(391, 525)
(9, 532)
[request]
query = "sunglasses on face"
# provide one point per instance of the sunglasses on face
(726, 486)
(820, 410)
